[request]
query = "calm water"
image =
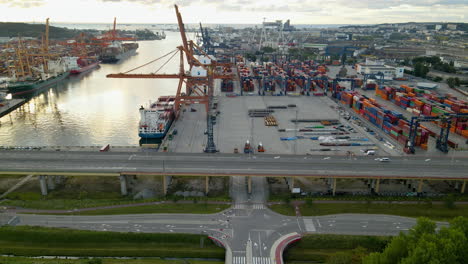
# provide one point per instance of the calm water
(91, 110)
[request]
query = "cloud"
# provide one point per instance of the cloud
(153, 2)
(23, 3)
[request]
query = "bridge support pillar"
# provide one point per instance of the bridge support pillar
(463, 187)
(377, 186)
(43, 184)
(290, 182)
(50, 182)
(420, 184)
(207, 184)
(166, 182)
(123, 185)
(334, 186)
(249, 184)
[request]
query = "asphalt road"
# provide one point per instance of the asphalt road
(230, 164)
(249, 230)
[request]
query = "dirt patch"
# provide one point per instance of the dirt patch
(217, 186)
(6, 182)
(140, 183)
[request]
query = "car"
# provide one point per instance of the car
(384, 159)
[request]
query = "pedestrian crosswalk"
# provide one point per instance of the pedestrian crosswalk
(250, 206)
(309, 225)
(238, 260)
(240, 206)
(258, 206)
(261, 260)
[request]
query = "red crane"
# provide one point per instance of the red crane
(198, 88)
(112, 35)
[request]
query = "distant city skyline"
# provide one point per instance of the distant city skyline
(236, 11)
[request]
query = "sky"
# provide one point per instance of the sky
(236, 11)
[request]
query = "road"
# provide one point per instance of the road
(249, 230)
(231, 164)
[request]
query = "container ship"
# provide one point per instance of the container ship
(157, 119)
(117, 51)
(79, 65)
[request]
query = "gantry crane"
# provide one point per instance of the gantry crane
(194, 93)
(442, 139)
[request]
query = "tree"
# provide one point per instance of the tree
(251, 57)
(424, 245)
(268, 49)
(343, 58)
(451, 82)
(449, 201)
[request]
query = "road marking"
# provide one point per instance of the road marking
(239, 260)
(261, 260)
(240, 206)
(318, 223)
(258, 206)
(309, 225)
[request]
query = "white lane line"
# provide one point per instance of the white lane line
(318, 223)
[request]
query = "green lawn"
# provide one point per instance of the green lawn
(319, 248)
(39, 241)
(23, 260)
(170, 208)
(68, 204)
(434, 211)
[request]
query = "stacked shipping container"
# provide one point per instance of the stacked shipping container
(391, 122)
(428, 103)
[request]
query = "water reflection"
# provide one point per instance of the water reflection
(89, 109)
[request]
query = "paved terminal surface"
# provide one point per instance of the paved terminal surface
(234, 126)
(230, 164)
(249, 231)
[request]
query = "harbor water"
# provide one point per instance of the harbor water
(90, 109)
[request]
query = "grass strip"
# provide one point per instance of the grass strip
(23, 260)
(40, 241)
(436, 212)
(320, 247)
(35, 201)
(199, 208)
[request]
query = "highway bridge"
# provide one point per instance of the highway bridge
(78, 163)
(155, 163)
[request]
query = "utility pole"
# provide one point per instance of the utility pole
(295, 134)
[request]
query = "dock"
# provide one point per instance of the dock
(10, 105)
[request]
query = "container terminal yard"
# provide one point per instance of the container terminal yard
(229, 105)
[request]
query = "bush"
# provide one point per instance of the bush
(449, 201)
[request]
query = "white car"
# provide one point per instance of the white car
(384, 159)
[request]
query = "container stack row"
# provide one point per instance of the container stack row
(428, 103)
(391, 122)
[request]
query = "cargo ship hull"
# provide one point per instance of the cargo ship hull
(156, 120)
(85, 68)
(157, 135)
(22, 88)
(113, 55)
